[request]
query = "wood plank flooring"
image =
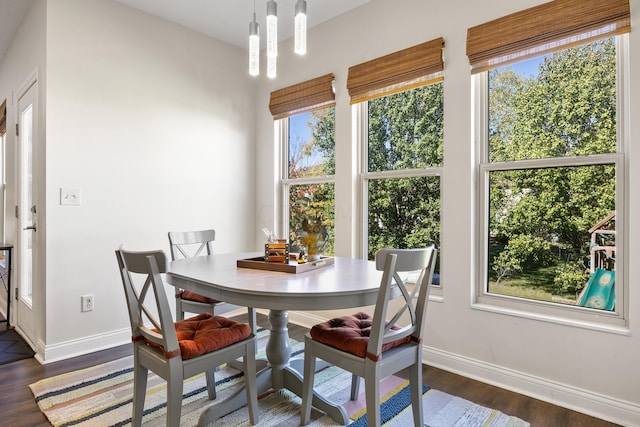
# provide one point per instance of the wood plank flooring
(18, 408)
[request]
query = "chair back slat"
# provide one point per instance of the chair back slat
(393, 263)
(146, 297)
(187, 244)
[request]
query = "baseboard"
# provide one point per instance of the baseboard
(304, 319)
(584, 401)
(84, 345)
(90, 344)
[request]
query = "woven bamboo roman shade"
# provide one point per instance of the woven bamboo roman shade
(543, 29)
(306, 96)
(398, 71)
(3, 117)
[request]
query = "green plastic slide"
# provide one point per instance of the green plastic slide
(600, 292)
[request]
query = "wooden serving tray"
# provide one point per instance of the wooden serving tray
(291, 267)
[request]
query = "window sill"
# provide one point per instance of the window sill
(604, 322)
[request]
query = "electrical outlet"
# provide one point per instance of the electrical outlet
(87, 303)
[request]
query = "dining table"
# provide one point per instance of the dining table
(344, 283)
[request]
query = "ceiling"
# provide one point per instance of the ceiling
(226, 20)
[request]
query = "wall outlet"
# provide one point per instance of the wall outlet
(87, 303)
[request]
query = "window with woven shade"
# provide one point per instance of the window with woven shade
(548, 118)
(399, 71)
(305, 118)
(399, 102)
(302, 97)
(546, 28)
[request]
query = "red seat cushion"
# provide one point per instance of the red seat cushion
(205, 333)
(192, 296)
(350, 334)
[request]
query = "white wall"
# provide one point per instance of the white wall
(593, 371)
(154, 124)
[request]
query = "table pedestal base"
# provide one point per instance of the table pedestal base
(277, 373)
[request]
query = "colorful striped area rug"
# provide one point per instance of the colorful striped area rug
(101, 396)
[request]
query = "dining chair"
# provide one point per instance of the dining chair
(180, 350)
(374, 347)
(187, 244)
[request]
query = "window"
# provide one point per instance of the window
(307, 128)
(309, 181)
(551, 160)
(400, 106)
(404, 148)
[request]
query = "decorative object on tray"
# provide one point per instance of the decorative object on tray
(292, 266)
(308, 223)
(277, 252)
(312, 237)
(270, 235)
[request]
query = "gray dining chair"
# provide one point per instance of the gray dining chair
(180, 350)
(186, 244)
(376, 347)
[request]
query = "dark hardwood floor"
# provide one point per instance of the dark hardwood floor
(18, 408)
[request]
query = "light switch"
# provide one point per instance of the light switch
(70, 196)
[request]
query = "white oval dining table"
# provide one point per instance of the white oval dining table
(347, 283)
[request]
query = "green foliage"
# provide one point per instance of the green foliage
(323, 129)
(403, 213)
(568, 109)
(571, 277)
(522, 250)
(311, 208)
(406, 129)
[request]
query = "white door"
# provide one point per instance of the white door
(26, 211)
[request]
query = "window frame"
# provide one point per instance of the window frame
(615, 321)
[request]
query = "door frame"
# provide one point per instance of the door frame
(28, 319)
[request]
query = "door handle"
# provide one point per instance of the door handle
(31, 227)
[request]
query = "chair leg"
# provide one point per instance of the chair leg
(307, 385)
(211, 383)
(179, 312)
(250, 382)
(355, 387)
(175, 384)
(252, 320)
(253, 323)
(415, 378)
(372, 394)
(139, 392)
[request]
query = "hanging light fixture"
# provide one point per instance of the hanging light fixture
(300, 28)
(272, 37)
(254, 45)
(300, 37)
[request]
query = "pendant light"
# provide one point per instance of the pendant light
(300, 37)
(272, 38)
(254, 46)
(300, 28)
